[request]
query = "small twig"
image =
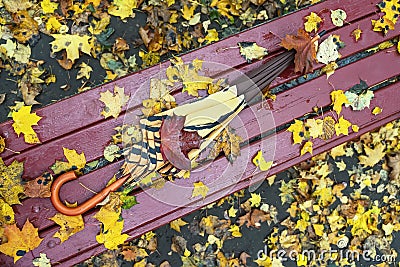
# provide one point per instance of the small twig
(87, 188)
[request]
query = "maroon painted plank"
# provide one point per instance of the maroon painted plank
(151, 212)
(289, 105)
(38, 159)
(67, 115)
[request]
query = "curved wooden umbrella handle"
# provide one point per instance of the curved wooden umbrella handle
(88, 204)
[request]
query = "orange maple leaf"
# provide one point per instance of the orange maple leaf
(306, 50)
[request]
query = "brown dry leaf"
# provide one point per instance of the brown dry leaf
(328, 128)
(254, 218)
(39, 187)
(228, 142)
(178, 244)
(394, 163)
(306, 50)
(134, 253)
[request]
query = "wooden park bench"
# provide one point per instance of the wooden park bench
(76, 123)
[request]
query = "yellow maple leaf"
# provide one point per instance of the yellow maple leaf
(20, 241)
(342, 126)
(260, 162)
(297, 129)
(357, 34)
(307, 147)
(312, 22)
(302, 260)
(338, 151)
(176, 224)
(53, 24)
(123, 8)
(235, 230)
(382, 25)
(199, 189)
(341, 165)
(109, 215)
(338, 99)
(189, 75)
(72, 44)
(373, 156)
(114, 102)
(212, 36)
(187, 12)
(75, 161)
(70, 225)
(48, 6)
(319, 229)
(113, 237)
(84, 71)
(6, 213)
(364, 221)
(23, 122)
(232, 212)
(315, 127)
(10, 181)
(255, 199)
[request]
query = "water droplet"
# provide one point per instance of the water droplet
(35, 209)
(51, 244)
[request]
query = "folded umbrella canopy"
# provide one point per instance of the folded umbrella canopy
(205, 118)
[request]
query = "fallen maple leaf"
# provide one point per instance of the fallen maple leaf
(10, 181)
(111, 232)
(75, 161)
(70, 225)
(199, 189)
(123, 8)
(175, 142)
(312, 22)
(72, 44)
(394, 163)
(342, 127)
(250, 51)
(114, 102)
(260, 162)
(307, 147)
(176, 224)
(23, 122)
(228, 142)
(297, 130)
(39, 187)
(306, 50)
(253, 218)
(373, 156)
(20, 241)
(338, 99)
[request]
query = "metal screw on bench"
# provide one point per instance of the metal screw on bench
(145, 157)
